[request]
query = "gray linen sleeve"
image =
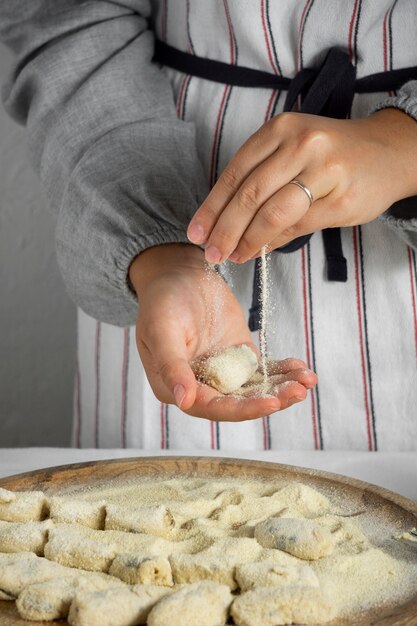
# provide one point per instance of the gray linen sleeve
(402, 216)
(118, 166)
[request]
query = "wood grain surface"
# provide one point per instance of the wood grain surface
(355, 495)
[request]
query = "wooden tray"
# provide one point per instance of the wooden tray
(380, 504)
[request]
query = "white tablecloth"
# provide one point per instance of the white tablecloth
(394, 470)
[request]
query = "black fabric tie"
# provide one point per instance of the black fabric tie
(328, 90)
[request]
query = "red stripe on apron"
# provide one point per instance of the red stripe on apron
(185, 83)
(181, 99)
(308, 348)
(361, 338)
(384, 36)
(231, 34)
(353, 57)
(307, 330)
(385, 43)
(270, 107)
(268, 44)
(352, 52)
(304, 14)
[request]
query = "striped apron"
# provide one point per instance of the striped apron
(360, 336)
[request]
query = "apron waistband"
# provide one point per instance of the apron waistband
(240, 76)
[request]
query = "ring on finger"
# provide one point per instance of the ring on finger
(306, 190)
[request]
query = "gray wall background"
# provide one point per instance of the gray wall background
(37, 319)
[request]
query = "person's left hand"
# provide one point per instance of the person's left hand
(186, 312)
(355, 169)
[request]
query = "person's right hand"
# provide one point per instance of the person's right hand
(185, 312)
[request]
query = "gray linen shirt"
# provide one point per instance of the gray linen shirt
(118, 166)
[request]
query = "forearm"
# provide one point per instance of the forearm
(397, 133)
(402, 215)
(404, 100)
(117, 165)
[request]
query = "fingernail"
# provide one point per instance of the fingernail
(295, 399)
(234, 257)
(179, 393)
(213, 255)
(275, 406)
(196, 233)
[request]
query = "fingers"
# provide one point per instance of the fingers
(254, 202)
(261, 145)
(255, 191)
(164, 355)
(212, 405)
(321, 215)
(289, 389)
(285, 365)
(298, 373)
(290, 393)
(176, 384)
(287, 211)
(178, 377)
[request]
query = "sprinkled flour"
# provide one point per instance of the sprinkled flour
(199, 530)
(264, 313)
(214, 534)
(228, 370)
(235, 370)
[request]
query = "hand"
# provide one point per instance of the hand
(176, 324)
(356, 169)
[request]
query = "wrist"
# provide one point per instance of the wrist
(396, 132)
(164, 259)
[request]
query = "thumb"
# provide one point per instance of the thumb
(178, 377)
(169, 352)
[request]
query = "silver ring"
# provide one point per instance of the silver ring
(304, 188)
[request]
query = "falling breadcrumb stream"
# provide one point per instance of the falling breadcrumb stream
(264, 302)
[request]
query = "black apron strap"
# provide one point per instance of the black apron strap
(336, 262)
(241, 76)
(216, 71)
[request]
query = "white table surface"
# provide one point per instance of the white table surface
(393, 470)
